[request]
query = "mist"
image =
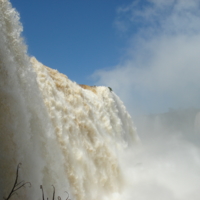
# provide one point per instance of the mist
(82, 138)
(166, 164)
(158, 78)
(159, 68)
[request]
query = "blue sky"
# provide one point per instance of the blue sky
(74, 36)
(146, 50)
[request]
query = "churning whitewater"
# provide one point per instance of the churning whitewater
(64, 134)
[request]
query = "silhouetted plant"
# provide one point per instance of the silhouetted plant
(17, 185)
(59, 198)
(110, 89)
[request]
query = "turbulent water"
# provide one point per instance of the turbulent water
(80, 139)
(64, 134)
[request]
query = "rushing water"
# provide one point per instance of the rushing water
(64, 134)
(81, 139)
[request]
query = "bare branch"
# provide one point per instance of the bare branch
(53, 192)
(22, 186)
(42, 192)
(53, 198)
(21, 182)
(17, 185)
(67, 196)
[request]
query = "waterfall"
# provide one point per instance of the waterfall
(67, 135)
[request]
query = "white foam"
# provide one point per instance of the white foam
(63, 134)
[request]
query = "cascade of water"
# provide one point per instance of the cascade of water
(24, 118)
(62, 133)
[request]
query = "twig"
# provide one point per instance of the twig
(17, 185)
(42, 192)
(53, 198)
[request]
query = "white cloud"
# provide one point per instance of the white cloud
(161, 68)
